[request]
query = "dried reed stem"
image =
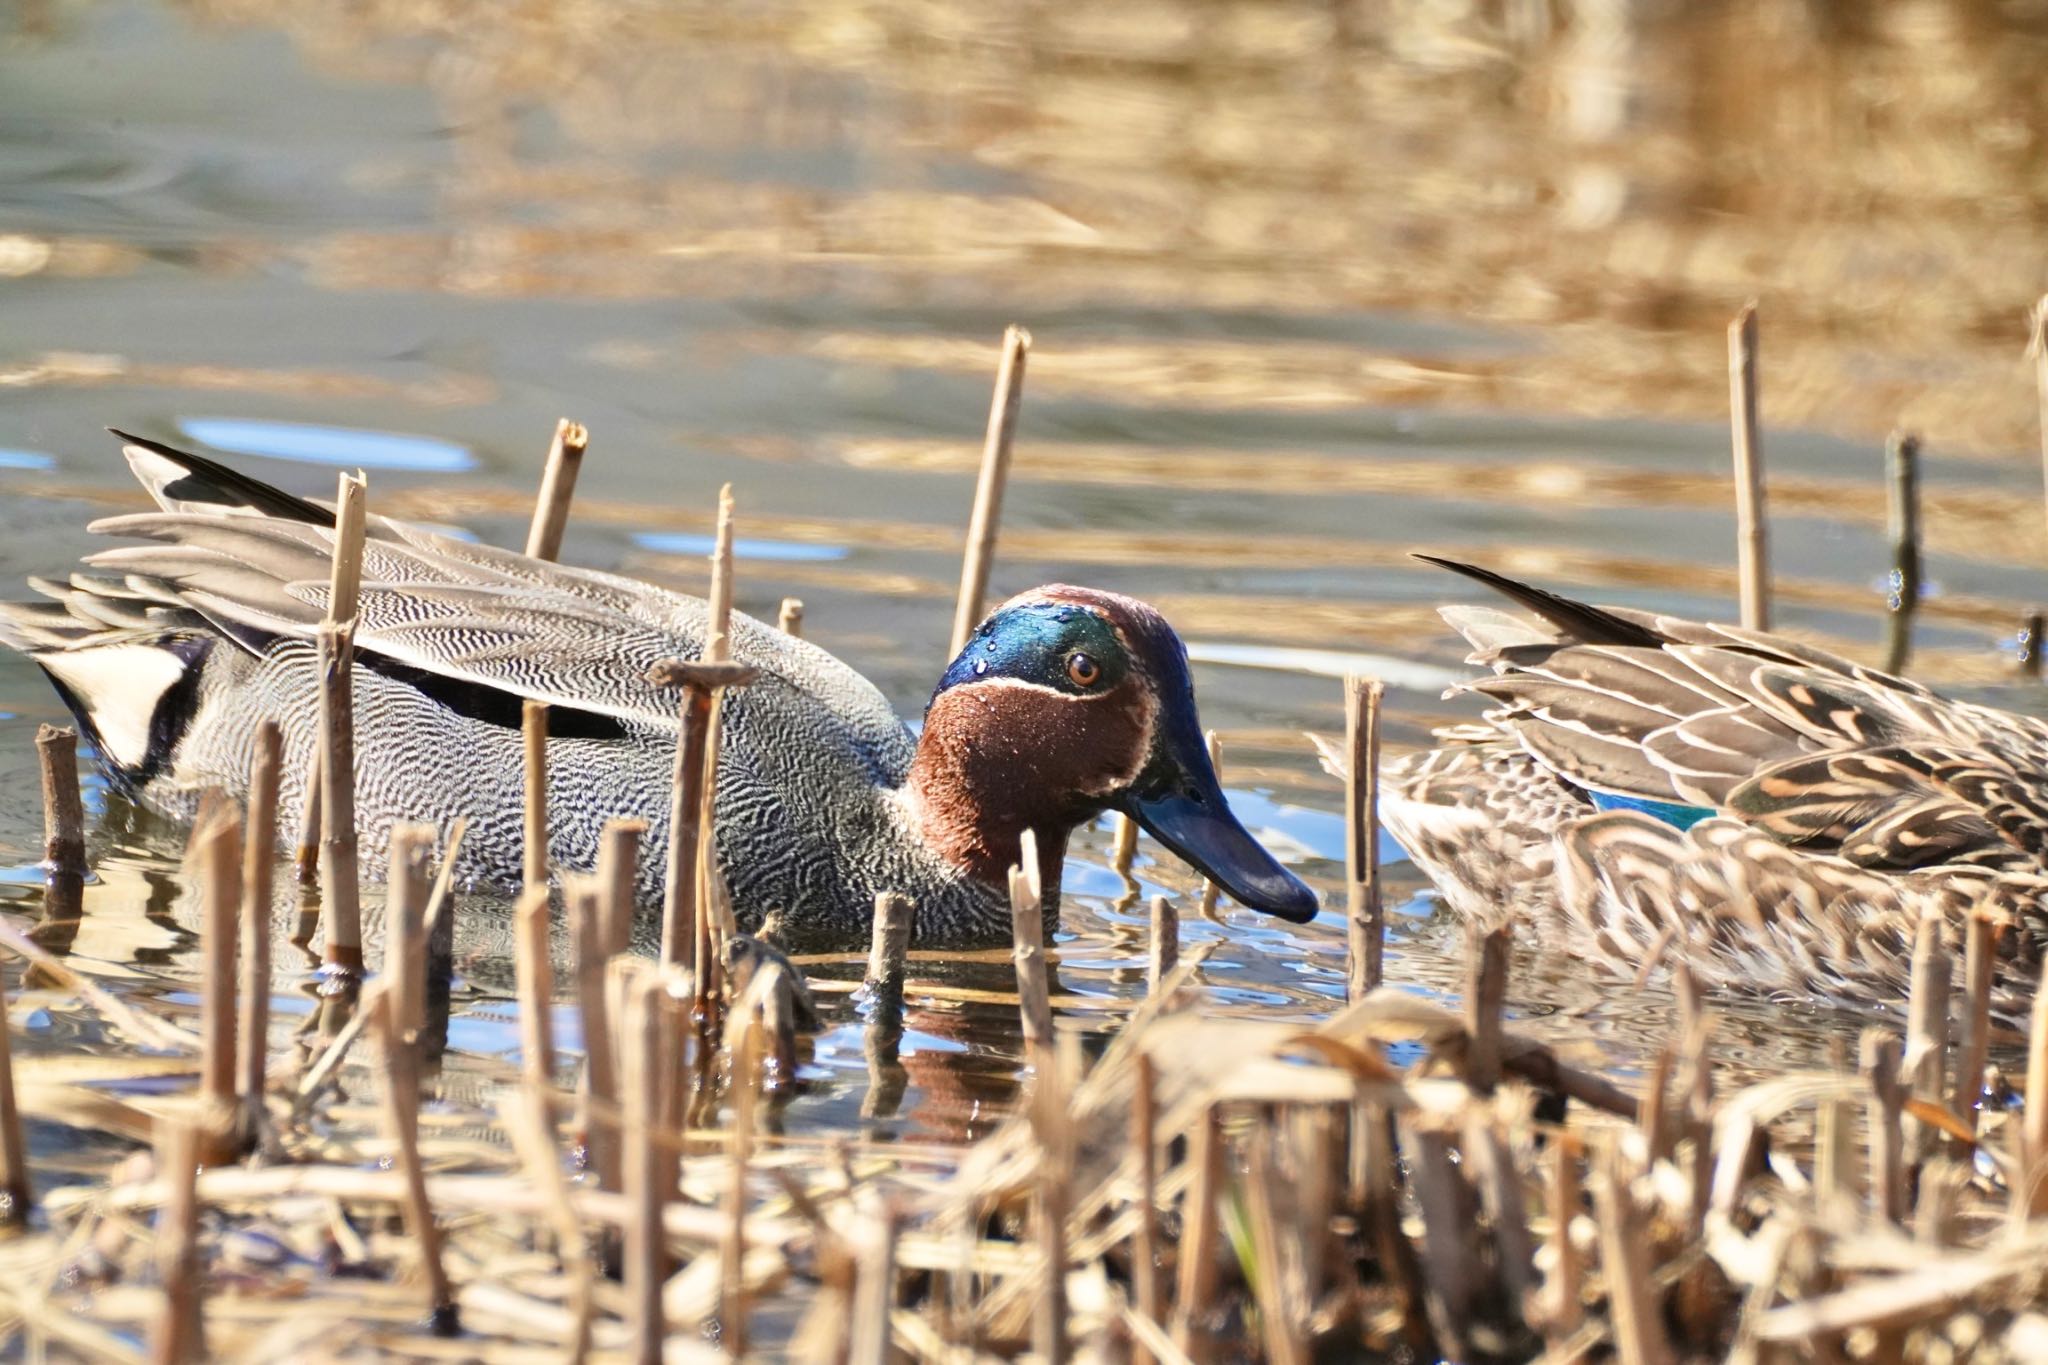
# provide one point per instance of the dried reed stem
(405, 928)
(2029, 660)
(1125, 850)
(533, 716)
(1979, 962)
(1752, 534)
(1879, 1054)
(63, 808)
(401, 1119)
(618, 876)
(1566, 1306)
(1902, 484)
(1201, 1233)
(686, 804)
(179, 1335)
(732, 1253)
(1163, 949)
(1052, 1126)
(888, 952)
(1027, 932)
(15, 1190)
(557, 487)
(874, 1291)
(536, 975)
(1927, 1010)
(340, 892)
(710, 974)
(649, 1174)
(1366, 932)
(217, 844)
(306, 860)
(1625, 1260)
(1145, 1244)
(584, 898)
(1209, 887)
(987, 516)
(259, 871)
(1486, 992)
(791, 617)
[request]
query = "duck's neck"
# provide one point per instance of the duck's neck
(974, 801)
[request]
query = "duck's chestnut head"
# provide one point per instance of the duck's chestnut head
(1070, 701)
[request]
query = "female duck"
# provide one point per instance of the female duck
(1781, 815)
(1066, 703)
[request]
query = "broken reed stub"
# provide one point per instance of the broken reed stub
(15, 1190)
(63, 806)
(533, 729)
(890, 949)
(697, 673)
(791, 617)
(1027, 929)
(557, 488)
(1163, 947)
(259, 871)
(1365, 927)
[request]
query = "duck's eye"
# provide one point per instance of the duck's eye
(1083, 671)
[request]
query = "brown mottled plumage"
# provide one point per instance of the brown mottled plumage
(1835, 805)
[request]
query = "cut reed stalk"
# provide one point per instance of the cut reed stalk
(1624, 1260)
(1201, 1233)
(15, 1189)
(1566, 1306)
(259, 870)
(1486, 993)
(1163, 950)
(340, 891)
(649, 1174)
(557, 487)
(1752, 533)
(1365, 937)
(179, 1334)
(438, 954)
(709, 977)
(1210, 890)
(1283, 1326)
(401, 1119)
(63, 808)
(2029, 660)
(1927, 1012)
(534, 734)
(732, 1255)
(791, 616)
(1124, 852)
(889, 951)
(584, 898)
(306, 860)
(1145, 1243)
(986, 519)
(1027, 932)
(1902, 484)
(536, 975)
(217, 844)
(1053, 1129)
(874, 1291)
(686, 804)
(618, 876)
(1879, 1054)
(405, 928)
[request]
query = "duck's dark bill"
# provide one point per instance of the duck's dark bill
(1202, 831)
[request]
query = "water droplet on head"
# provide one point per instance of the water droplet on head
(980, 666)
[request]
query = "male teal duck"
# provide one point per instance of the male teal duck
(1066, 702)
(1781, 815)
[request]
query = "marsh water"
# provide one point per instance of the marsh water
(1311, 286)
